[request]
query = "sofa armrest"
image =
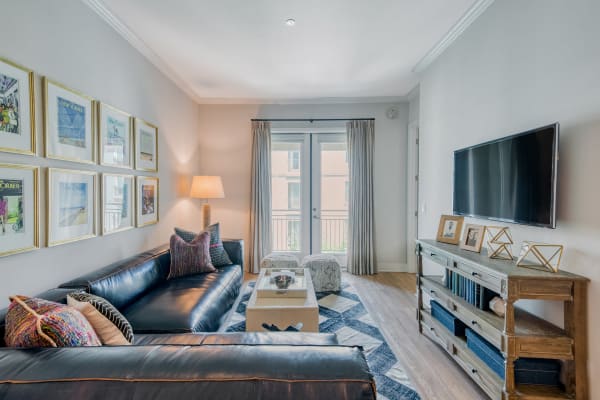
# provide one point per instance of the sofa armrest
(235, 250)
(184, 372)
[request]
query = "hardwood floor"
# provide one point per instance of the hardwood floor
(390, 299)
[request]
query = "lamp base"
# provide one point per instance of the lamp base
(205, 215)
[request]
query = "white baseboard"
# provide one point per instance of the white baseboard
(393, 267)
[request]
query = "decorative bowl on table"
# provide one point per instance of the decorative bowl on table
(283, 281)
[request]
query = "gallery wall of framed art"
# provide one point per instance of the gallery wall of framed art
(146, 146)
(19, 208)
(115, 137)
(147, 200)
(71, 211)
(78, 131)
(118, 203)
(69, 127)
(17, 108)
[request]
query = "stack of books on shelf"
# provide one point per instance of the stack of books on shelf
(468, 290)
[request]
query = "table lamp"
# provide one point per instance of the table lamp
(207, 187)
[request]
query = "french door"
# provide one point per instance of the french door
(310, 187)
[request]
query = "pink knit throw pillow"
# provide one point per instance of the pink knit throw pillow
(32, 322)
(190, 258)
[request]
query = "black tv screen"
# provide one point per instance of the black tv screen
(512, 179)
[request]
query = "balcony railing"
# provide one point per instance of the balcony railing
(287, 230)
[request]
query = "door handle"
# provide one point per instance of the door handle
(316, 217)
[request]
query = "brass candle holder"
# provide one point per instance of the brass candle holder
(499, 241)
(540, 255)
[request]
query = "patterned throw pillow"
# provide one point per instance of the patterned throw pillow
(190, 258)
(110, 325)
(32, 322)
(218, 255)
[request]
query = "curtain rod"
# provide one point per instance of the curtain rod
(311, 120)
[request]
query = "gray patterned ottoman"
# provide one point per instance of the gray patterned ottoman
(324, 271)
(275, 260)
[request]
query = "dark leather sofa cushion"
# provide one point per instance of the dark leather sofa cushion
(248, 338)
(235, 250)
(124, 281)
(195, 303)
(186, 372)
(57, 295)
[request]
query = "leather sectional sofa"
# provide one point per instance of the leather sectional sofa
(176, 352)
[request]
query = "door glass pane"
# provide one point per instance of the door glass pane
(286, 201)
(334, 197)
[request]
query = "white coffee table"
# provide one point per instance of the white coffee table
(283, 311)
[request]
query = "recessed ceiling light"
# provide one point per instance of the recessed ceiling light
(290, 22)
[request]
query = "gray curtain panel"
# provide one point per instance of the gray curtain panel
(361, 232)
(260, 213)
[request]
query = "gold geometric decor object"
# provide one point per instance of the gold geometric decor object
(538, 255)
(499, 242)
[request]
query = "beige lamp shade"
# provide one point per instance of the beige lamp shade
(207, 187)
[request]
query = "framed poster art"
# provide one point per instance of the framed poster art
(147, 200)
(19, 212)
(115, 137)
(117, 203)
(17, 109)
(68, 124)
(146, 146)
(71, 203)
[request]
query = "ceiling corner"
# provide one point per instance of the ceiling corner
(114, 22)
(453, 34)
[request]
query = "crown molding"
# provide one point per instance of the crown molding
(453, 34)
(114, 22)
(305, 101)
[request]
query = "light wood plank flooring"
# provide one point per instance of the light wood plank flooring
(390, 299)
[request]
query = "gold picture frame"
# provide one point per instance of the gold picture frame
(10, 142)
(73, 148)
(65, 210)
(106, 110)
(449, 229)
(147, 200)
(19, 205)
(111, 214)
(146, 159)
(473, 238)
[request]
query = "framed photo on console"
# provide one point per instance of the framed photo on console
(71, 206)
(450, 229)
(68, 124)
(19, 212)
(146, 146)
(117, 203)
(147, 200)
(17, 109)
(115, 137)
(473, 238)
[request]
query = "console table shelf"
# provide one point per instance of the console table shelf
(519, 333)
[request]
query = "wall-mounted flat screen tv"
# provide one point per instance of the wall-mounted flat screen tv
(512, 179)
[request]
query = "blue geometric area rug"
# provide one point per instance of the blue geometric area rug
(344, 314)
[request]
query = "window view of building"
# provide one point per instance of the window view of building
(286, 202)
(334, 198)
(288, 185)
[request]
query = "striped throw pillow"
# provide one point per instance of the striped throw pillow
(32, 322)
(190, 258)
(110, 325)
(218, 254)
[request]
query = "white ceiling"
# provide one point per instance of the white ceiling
(242, 50)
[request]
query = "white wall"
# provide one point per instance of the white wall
(71, 44)
(521, 65)
(226, 142)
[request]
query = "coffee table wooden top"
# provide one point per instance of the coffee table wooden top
(281, 301)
